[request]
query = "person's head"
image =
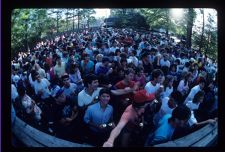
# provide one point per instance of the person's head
(195, 66)
(157, 75)
(199, 97)
(175, 99)
(168, 82)
(202, 83)
(91, 81)
(21, 91)
(37, 77)
(129, 74)
(180, 115)
(105, 61)
(60, 97)
(86, 57)
(99, 57)
(104, 96)
(188, 77)
(66, 80)
(139, 71)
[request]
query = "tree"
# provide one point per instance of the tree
(190, 21)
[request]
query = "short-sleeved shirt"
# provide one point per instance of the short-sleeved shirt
(97, 115)
(70, 90)
(121, 85)
(167, 92)
(151, 88)
(43, 85)
(164, 131)
(88, 67)
(85, 99)
(60, 70)
(192, 93)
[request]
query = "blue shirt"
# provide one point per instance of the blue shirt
(96, 115)
(164, 131)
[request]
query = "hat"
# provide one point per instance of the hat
(59, 92)
(142, 96)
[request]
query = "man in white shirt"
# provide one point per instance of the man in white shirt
(195, 90)
(60, 67)
(41, 87)
(88, 95)
(154, 85)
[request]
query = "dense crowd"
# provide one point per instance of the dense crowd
(114, 87)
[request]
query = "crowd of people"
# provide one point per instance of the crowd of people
(114, 87)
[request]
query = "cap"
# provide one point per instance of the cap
(143, 96)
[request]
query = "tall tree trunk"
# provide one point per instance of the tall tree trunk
(167, 22)
(78, 19)
(57, 22)
(203, 29)
(67, 19)
(190, 21)
(73, 19)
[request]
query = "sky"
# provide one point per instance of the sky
(101, 13)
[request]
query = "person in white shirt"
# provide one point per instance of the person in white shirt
(60, 67)
(133, 58)
(154, 85)
(195, 89)
(168, 86)
(88, 95)
(183, 86)
(164, 61)
(41, 87)
(194, 105)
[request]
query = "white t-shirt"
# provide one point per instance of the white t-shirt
(165, 108)
(60, 70)
(192, 106)
(31, 81)
(164, 63)
(150, 88)
(134, 60)
(192, 93)
(85, 99)
(182, 87)
(167, 92)
(42, 86)
(192, 119)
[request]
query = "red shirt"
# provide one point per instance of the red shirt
(121, 85)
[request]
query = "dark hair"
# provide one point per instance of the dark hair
(128, 71)
(197, 96)
(186, 76)
(202, 80)
(177, 97)
(105, 59)
(156, 73)
(89, 78)
(104, 90)
(181, 112)
(21, 90)
(65, 76)
(167, 80)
